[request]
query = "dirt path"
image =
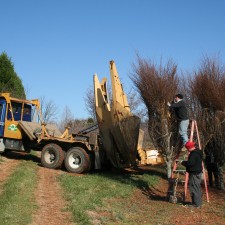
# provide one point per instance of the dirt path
(51, 205)
(48, 194)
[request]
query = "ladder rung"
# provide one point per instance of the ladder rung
(179, 171)
(179, 160)
(179, 181)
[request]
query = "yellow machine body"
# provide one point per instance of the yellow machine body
(17, 110)
(118, 127)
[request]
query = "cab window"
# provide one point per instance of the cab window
(27, 113)
(16, 110)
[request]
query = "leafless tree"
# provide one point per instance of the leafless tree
(74, 125)
(89, 99)
(158, 84)
(49, 110)
(208, 88)
(66, 119)
(136, 105)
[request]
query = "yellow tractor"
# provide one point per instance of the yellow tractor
(22, 129)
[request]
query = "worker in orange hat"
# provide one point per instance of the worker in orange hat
(194, 168)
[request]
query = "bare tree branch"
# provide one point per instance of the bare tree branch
(49, 110)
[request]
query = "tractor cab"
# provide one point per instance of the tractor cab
(13, 110)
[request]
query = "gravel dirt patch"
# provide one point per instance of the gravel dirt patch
(52, 208)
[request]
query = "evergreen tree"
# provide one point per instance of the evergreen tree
(9, 80)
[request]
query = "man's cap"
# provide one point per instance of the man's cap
(190, 145)
(179, 96)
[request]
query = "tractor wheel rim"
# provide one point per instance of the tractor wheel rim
(74, 160)
(49, 157)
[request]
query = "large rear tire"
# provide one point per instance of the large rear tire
(52, 156)
(77, 160)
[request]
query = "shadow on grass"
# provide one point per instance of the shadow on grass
(22, 156)
(134, 177)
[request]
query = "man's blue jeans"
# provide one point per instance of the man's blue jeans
(183, 126)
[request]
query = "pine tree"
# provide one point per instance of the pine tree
(9, 80)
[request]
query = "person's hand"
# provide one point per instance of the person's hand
(168, 104)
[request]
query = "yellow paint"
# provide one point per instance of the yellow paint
(12, 130)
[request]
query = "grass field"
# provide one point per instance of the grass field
(100, 197)
(93, 192)
(17, 195)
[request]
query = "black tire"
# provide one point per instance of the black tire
(77, 160)
(5, 152)
(52, 156)
(92, 161)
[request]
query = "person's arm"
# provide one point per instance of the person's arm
(190, 162)
(184, 163)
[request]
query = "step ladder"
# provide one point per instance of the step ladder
(176, 173)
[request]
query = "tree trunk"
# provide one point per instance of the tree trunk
(169, 168)
(221, 181)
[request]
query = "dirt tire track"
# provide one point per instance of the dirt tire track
(51, 205)
(7, 167)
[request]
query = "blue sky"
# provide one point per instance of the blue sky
(56, 46)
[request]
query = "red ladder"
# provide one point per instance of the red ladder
(194, 128)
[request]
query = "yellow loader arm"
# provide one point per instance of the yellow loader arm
(118, 127)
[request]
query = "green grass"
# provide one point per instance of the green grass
(92, 192)
(17, 196)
